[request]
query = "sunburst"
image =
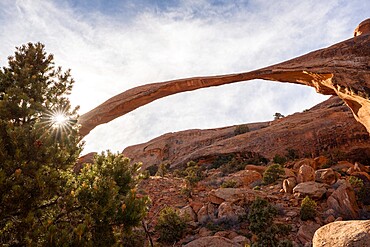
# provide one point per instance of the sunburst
(58, 122)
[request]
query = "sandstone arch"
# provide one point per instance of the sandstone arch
(342, 69)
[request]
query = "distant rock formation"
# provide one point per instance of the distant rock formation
(342, 69)
(326, 128)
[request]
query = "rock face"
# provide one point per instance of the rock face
(341, 69)
(343, 201)
(325, 127)
(343, 233)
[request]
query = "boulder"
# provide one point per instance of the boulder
(188, 213)
(242, 240)
(226, 234)
(305, 173)
(206, 213)
(342, 166)
(289, 173)
(307, 162)
(312, 189)
(213, 241)
(289, 184)
(306, 232)
(343, 233)
(327, 176)
(358, 168)
(196, 205)
(246, 177)
(230, 212)
(220, 195)
(321, 161)
(259, 169)
(204, 232)
(343, 201)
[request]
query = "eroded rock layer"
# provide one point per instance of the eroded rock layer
(342, 69)
(326, 128)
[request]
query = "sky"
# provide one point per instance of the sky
(114, 45)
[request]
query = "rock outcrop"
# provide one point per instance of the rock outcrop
(326, 128)
(312, 189)
(343, 233)
(341, 69)
(343, 201)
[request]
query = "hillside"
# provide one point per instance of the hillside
(328, 128)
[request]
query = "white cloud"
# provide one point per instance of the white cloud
(110, 54)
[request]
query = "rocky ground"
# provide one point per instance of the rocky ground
(216, 207)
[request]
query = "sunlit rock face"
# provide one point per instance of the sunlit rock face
(342, 69)
(363, 28)
(326, 128)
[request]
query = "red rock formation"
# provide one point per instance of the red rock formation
(342, 69)
(343, 233)
(326, 127)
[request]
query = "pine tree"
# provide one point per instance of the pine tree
(33, 151)
(42, 201)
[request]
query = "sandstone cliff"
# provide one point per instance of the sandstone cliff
(326, 128)
(342, 69)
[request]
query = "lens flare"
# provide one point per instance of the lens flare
(58, 120)
(58, 123)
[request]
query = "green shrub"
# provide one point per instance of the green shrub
(356, 182)
(229, 184)
(221, 160)
(186, 191)
(134, 239)
(179, 173)
(272, 174)
(212, 226)
(193, 173)
(234, 165)
(257, 188)
(279, 159)
(162, 170)
(241, 129)
(235, 162)
(170, 226)
(285, 243)
(261, 215)
(361, 190)
(152, 169)
(292, 154)
(145, 174)
(308, 209)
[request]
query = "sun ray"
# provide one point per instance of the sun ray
(58, 123)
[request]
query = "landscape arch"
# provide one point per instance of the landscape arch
(342, 69)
